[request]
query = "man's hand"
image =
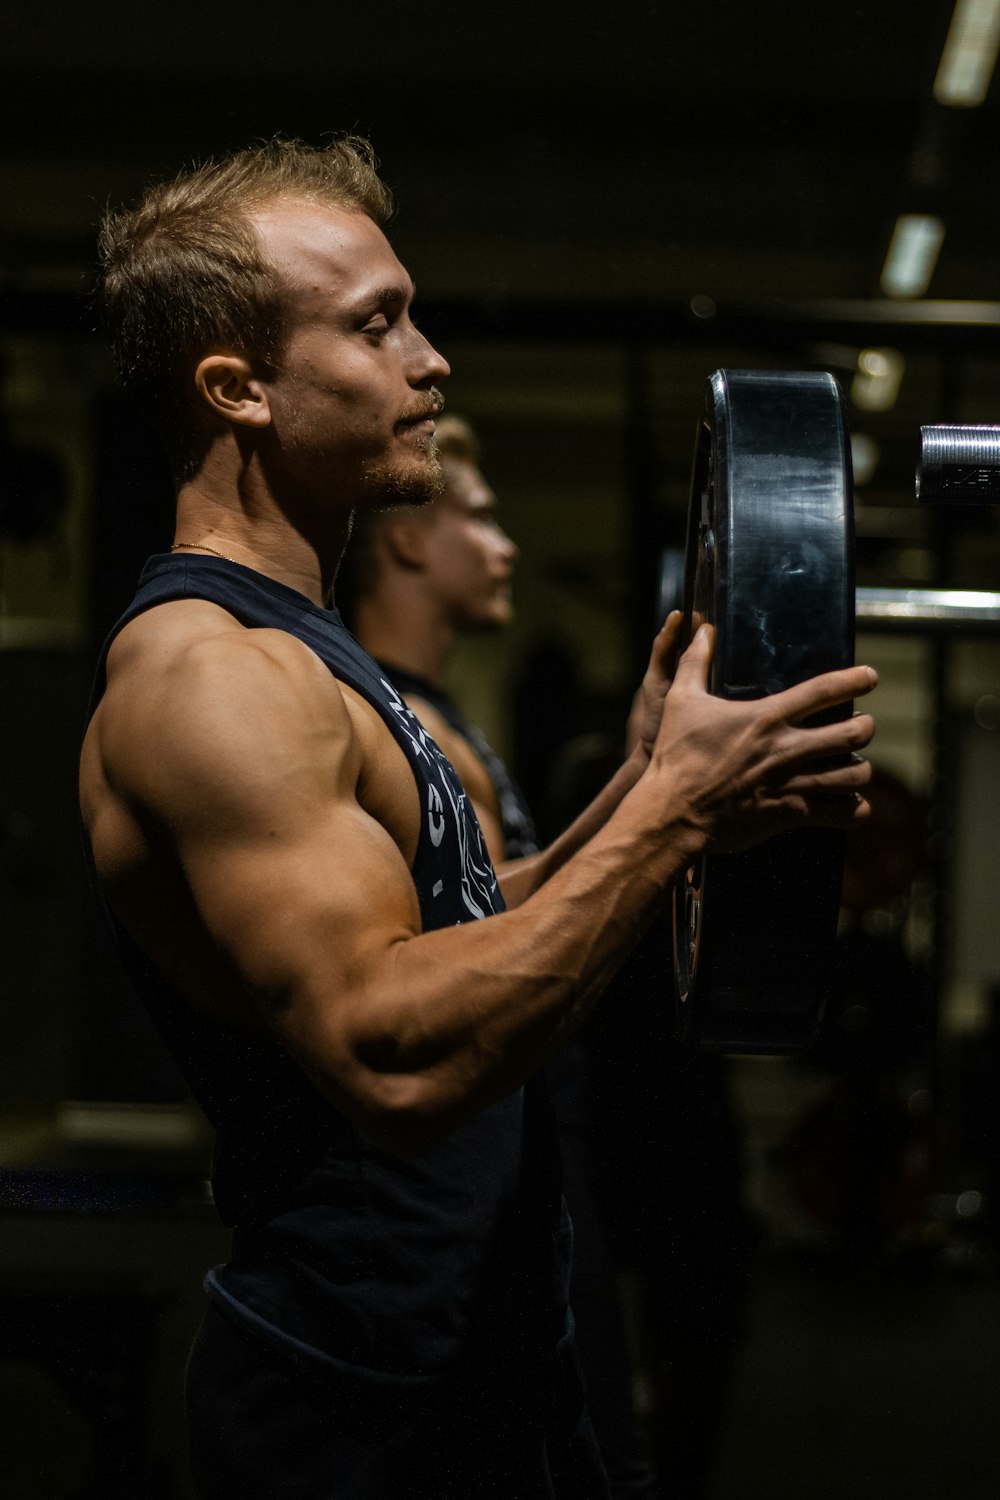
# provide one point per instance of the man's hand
(647, 705)
(745, 770)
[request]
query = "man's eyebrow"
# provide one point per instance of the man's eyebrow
(380, 297)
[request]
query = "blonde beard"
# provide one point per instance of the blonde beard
(388, 484)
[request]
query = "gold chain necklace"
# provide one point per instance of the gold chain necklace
(204, 547)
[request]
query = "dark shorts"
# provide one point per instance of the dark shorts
(264, 1429)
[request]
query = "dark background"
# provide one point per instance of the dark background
(600, 205)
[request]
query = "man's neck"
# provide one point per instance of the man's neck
(406, 633)
(235, 515)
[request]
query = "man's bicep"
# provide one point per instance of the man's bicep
(305, 925)
(303, 915)
(255, 787)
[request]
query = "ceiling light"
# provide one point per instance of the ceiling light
(912, 255)
(970, 53)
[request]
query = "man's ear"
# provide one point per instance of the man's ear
(405, 536)
(228, 383)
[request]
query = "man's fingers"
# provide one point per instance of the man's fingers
(795, 704)
(692, 668)
(830, 741)
(836, 812)
(666, 641)
(852, 775)
(826, 691)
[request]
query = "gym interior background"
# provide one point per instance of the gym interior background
(600, 205)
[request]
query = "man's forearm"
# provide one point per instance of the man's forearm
(450, 1021)
(521, 878)
(425, 1029)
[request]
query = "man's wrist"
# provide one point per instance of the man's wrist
(680, 828)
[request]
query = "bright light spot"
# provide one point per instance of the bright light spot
(865, 453)
(912, 255)
(968, 1204)
(969, 55)
(877, 379)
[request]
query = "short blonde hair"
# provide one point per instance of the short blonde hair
(184, 273)
(456, 440)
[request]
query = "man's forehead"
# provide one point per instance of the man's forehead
(322, 247)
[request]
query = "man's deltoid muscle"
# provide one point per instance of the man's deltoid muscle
(392, 1318)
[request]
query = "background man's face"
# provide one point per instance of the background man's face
(470, 557)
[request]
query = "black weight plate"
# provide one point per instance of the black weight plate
(770, 562)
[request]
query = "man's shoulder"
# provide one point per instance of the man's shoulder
(189, 687)
(184, 643)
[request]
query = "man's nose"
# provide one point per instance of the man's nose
(427, 363)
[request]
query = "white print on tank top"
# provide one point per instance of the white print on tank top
(447, 802)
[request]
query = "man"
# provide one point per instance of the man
(413, 581)
(302, 894)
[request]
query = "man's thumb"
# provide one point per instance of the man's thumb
(697, 658)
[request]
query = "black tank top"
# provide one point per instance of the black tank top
(518, 826)
(378, 1268)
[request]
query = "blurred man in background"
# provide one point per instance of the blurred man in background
(411, 585)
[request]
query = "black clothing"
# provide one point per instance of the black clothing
(269, 1428)
(599, 1335)
(386, 1277)
(518, 826)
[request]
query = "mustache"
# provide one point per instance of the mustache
(433, 406)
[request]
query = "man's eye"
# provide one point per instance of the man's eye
(378, 328)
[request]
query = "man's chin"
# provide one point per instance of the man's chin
(416, 483)
(488, 622)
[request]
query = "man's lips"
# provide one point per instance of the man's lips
(425, 413)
